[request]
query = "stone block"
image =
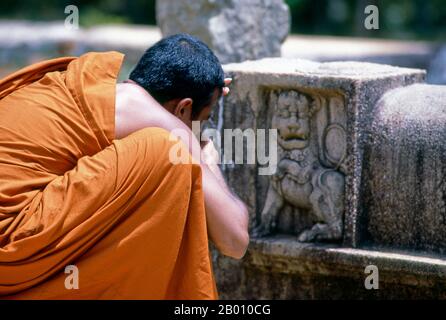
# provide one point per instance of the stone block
(323, 113)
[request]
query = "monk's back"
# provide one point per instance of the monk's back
(45, 129)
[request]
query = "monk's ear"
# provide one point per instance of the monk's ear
(183, 109)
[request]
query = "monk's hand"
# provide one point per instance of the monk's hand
(226, 88)
(209, 153)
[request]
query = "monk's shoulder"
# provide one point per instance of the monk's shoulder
(135, 109)
(134, 99)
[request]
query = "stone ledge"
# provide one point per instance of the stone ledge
(285, 255)
(339, 70)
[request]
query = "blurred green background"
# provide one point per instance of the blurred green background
(400, 19)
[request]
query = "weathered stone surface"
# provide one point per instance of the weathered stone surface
(236, 30)
(328, 108)
(307, 176)
(405, 170)
(281, 268)
(341, 96)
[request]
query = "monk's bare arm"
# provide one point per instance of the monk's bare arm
(226, 215)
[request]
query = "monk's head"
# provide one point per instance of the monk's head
(183, 75)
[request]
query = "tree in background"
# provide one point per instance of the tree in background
(398, 18)
(92, 12)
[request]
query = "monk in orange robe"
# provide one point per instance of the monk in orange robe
(86, 178)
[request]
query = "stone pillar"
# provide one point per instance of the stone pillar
(236, 30)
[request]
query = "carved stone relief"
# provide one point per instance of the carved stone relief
(310, 175)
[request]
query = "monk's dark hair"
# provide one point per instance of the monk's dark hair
(180, 66)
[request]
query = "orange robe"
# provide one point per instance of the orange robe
(131, 222)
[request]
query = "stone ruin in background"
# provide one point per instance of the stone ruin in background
(361, 180)
(236, 30)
